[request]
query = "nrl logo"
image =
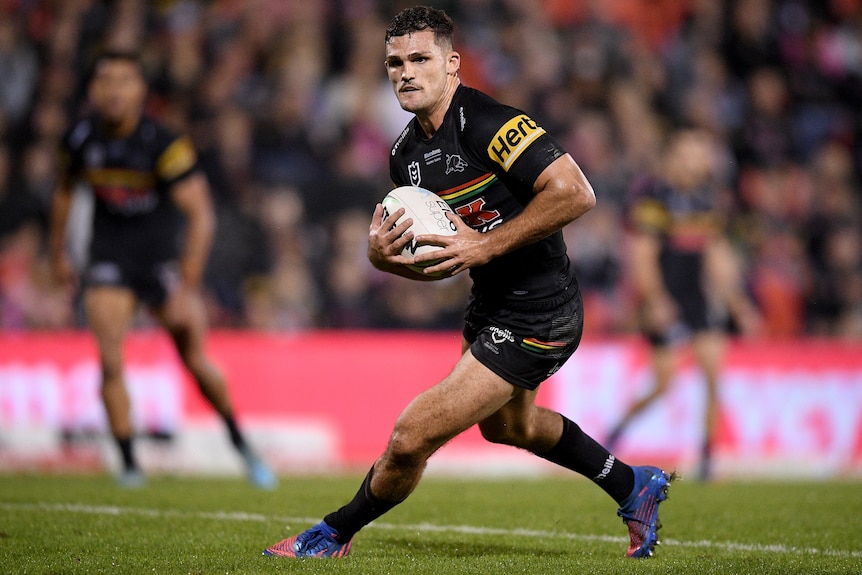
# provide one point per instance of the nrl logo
(415, 176)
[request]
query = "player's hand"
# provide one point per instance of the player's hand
(465, 249)
(748, 319)
(63, 272)
(181, 305)
(386, 240)
(660, 313)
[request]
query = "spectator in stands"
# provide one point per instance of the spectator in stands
(776, 79)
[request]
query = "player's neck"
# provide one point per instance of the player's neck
(433, 119)
(122, 127)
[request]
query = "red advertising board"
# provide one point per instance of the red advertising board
(323, 399)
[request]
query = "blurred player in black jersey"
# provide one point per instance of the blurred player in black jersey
(684, 274)
(514, 189)
(149, 194)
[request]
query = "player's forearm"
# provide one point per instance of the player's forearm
(551, 209)
(60, 207)
(645, 270)
(201, 227)
(191, 196)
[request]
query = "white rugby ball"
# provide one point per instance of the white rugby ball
(428, 212)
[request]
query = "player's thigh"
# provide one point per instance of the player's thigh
(110, 310)
(468, 395)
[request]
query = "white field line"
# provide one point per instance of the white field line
(300, 522)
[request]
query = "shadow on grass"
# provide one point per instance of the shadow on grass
(421, 545)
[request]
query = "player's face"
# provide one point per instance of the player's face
(419, 69)
(118, 91)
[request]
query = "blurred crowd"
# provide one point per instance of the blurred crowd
(293, 117)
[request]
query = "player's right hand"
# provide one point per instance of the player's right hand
(660, 313)
(386, 240)
(63, 272)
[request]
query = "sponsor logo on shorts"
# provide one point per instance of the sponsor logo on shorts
(105, 273)
(500, 335)
(512, 139)
(491, 347)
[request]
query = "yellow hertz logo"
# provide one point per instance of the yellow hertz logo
(177, 159)
(512, 139)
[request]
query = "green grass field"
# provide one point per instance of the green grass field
(84, 524)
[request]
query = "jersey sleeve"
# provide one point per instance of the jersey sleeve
(177, 160)
(70, 149)
(647, 212)
(510, 141)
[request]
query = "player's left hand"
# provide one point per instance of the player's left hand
(182, 306)
(465, 249)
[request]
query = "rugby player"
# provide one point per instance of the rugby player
(685, 276)
(152, 228)
(514, 189)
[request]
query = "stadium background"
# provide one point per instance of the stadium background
(293, 117)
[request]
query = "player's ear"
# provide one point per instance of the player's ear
(453, 63)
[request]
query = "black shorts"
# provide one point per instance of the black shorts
(151, 283)
(695, 316)
(525, 344)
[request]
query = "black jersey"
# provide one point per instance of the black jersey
(483, 161)
(683, 220)
(130, 178)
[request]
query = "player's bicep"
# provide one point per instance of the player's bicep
(566, 175)
(191, 194)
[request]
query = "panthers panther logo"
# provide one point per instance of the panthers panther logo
(454, 163)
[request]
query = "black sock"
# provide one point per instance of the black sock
(235, 434)
(581, 453)
(125, 445)
(362, 510)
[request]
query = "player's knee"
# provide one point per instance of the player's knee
(112, 371)
(407, 449)
(191, 354)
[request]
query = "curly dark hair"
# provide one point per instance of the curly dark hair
(420, 18)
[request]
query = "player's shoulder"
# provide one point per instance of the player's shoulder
(79, 132)
(156, 132)
(401, 139)
(174, 151)
(647, 203)
(502, 133)
(475, 110)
